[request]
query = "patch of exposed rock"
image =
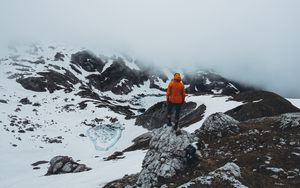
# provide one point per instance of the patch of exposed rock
(219, 124)
(155, 116)
(50, 81)
(140, 142)
(166, 156)
(87, 61)
(65, 164)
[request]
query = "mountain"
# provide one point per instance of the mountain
(99, 115)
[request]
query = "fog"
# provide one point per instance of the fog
(255, 41)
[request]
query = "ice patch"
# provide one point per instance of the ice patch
(105, 136)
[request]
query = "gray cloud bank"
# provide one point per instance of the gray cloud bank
(256, 42)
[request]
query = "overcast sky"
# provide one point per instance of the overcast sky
(254, 41)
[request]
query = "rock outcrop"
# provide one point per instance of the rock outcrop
(65, 164)
(219, 124)
(51, 81)
(155, 116)
(166, 156)
(260, 104)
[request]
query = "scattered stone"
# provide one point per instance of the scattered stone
(39, 163)
(3, 101)
(115, 156)
(25, 101)
(65, 164)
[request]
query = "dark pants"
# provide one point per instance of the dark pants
(177, 111)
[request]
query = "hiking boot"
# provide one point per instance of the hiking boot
(169, 123)
(176, 126)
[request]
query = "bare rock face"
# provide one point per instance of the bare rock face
(50, 81)
(166, 156)
(87, 61)
(224, 176)
(219, 124)
(65, 164)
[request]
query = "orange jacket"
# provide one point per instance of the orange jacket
(176, 91)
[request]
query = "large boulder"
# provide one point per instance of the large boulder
(65, 164)
(165, 157)
(219, 124)
(260, 104)
(155, 116)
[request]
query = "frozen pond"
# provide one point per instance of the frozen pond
(105, 136)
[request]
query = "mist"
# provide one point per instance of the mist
(256, 42)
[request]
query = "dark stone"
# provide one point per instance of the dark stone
(59, 56)
(3, 101)
(21, 131)
(36, 104)
(155, 116)
(117, 78)
(39, 163)
(65, 164)
(260, 104)
(140, 143)
(88, 61)
(30, 129)
(25, 101)
(115, 156)
(50, 81)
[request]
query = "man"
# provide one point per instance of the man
(175, 98)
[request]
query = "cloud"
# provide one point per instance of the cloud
(256, 42)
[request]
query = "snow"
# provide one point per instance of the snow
(56, 121)
(207, 81)
(107, 65)
(295, 102)
(213, 104)
(275, 170)
(257, 101)
(217, 91)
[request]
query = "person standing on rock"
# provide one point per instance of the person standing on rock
(175, 98)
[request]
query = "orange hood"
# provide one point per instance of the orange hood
(177, 77)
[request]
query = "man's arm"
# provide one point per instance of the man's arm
(168, 93)
(183, 93)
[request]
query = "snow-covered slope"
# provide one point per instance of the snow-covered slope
(37, 126)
